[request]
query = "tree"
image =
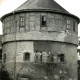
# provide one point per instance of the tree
(4, 74)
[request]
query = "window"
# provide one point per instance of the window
(61, 57)
(22, 21)
(27, 56)
(68, 24)
(0, 55)
(4, 57)
(73, 26)
(43, 21)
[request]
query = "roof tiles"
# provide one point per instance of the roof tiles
(36, 5)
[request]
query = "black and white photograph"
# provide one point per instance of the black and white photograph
(39, 39)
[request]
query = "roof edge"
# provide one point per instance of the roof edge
(39, 10)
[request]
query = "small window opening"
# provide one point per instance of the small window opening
(43, 21)
(61, 57)
(73, 26)
(0, 56)
(22, 21)
(68, 24)
(27, 56)
(4, 57)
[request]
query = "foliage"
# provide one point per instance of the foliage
(4, 74)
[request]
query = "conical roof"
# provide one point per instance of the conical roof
(41, 5)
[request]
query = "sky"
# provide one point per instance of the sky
(73, 6)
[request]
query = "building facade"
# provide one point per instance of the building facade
(40, 42)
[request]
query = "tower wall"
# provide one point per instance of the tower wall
(57, 28)
(58, 37)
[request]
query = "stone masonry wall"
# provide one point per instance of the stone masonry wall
(56, 28)
(68, 50)
(58, 34)
(15, 53)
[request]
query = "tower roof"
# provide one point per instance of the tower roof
(41, 5)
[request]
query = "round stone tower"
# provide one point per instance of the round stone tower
(40, 42)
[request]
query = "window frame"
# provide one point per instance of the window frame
(43, 22)
(60, 57)
(68, 24)
(28, 57)
(22, 22)
(4, 57)
(74, 26)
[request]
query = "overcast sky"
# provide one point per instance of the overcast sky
(6, 6)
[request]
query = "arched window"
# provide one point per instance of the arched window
(27, 56)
